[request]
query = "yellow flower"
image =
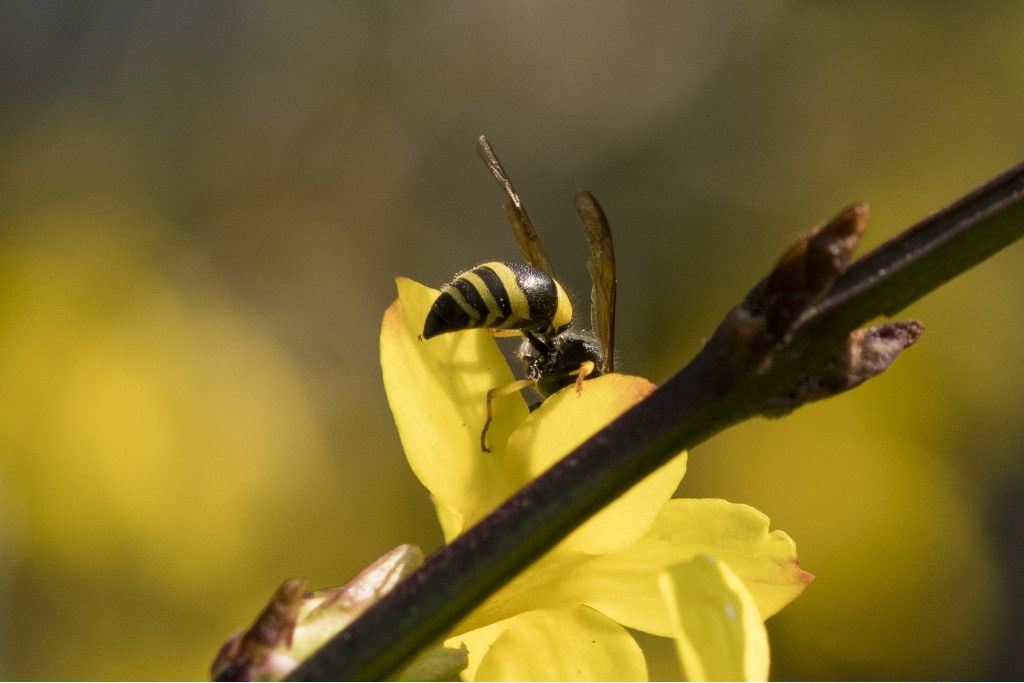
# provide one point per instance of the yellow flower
(706, 572)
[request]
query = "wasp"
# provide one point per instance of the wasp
(526, 299)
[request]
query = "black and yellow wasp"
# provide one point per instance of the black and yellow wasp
(513, 299)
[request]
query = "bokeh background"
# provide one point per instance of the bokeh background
(202, 207)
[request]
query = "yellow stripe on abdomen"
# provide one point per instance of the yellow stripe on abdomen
(518, 304)
(453, 291)
(484, 292)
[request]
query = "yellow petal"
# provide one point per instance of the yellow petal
(574, 644)
(566, 420)
(437, 390)
(623, 585)
(477, 642)
(545, 584)
(718, 630)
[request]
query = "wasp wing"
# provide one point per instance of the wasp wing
(522, 226)
(602, 274)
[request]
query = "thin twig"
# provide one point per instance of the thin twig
(793, 339)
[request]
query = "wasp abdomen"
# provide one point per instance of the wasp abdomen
(500, 295)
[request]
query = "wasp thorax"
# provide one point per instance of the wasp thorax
(555, 362)
(498, 295)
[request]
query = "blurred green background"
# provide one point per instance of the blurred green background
(202, 207)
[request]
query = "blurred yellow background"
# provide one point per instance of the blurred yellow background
(202, 208)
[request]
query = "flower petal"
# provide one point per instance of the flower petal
(719, 632)
(623, 585)
(567, 419)
(574, 644)
(437, 390)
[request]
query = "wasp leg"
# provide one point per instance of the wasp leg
(586, 369)
(503, 334)
(496, 393)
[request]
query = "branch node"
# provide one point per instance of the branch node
(867, 353)
(250, 654)
(806, 271)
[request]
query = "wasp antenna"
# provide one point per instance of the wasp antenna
(522, 226)
(486, 152)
